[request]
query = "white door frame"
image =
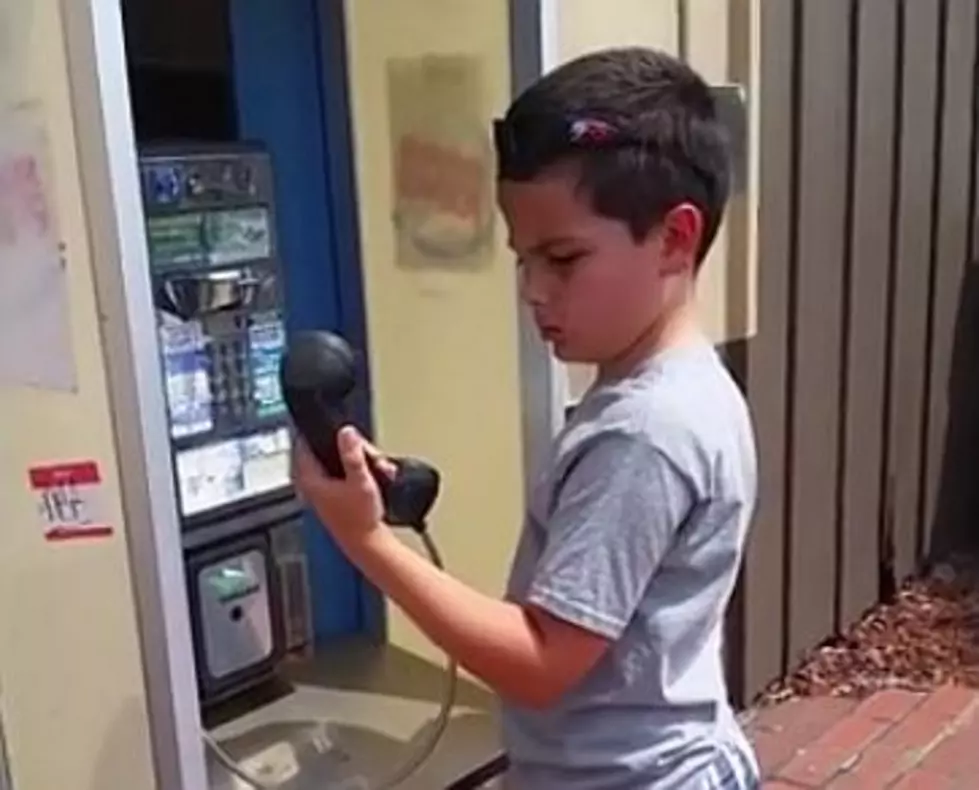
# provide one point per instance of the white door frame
(97, 73)
(543, 380)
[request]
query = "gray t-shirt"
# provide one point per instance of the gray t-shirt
(635, 531)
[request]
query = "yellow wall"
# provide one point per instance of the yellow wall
(583, 25)
(72, 701)
(719, 46)
(443, 344)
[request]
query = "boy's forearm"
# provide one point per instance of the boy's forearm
(496, 640)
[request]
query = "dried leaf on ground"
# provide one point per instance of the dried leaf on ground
(927, 637)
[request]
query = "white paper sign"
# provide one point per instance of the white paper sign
(70, 501)
(35, 333)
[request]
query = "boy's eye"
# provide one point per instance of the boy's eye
(565, 260)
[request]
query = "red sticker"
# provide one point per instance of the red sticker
(70, 501)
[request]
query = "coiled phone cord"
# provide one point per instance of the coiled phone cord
(415, 759)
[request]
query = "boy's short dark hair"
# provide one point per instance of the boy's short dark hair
(641, 126)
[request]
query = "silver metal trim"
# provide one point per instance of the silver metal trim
(96, 54)
(558, 390)
(549, 45)
(543, 390)
(682, 30)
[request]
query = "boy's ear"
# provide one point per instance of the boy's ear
(681, 232)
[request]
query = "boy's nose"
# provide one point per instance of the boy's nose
(533, 289)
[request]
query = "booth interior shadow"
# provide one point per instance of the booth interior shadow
(955, 530)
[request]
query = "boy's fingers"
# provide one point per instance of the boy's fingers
(378, 460)
(307, 472)
(382, 463)
(300, 459)
(352, 454)
(306, 469)
(387, 467)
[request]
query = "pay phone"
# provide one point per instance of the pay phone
(216, 275)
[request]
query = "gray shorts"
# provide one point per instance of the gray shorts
(731, 770)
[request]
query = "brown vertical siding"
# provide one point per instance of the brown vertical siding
(863, 367)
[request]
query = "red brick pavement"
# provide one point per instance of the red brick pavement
(896, 739)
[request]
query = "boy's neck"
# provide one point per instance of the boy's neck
(677, 328)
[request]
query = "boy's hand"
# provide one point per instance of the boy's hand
(350, 508)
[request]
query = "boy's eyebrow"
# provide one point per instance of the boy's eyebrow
(542, 247)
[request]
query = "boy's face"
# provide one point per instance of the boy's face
(594, 291)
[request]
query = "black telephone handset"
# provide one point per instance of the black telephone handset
(318, 374)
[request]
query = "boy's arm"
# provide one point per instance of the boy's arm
(525, 655)
(616, 513)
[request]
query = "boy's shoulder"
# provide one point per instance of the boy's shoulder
(686, 407)
(686, 396)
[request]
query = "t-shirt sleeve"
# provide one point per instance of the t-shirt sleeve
(613, 519)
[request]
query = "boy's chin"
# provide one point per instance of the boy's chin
(564, 353)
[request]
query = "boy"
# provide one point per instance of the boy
(606, 652)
